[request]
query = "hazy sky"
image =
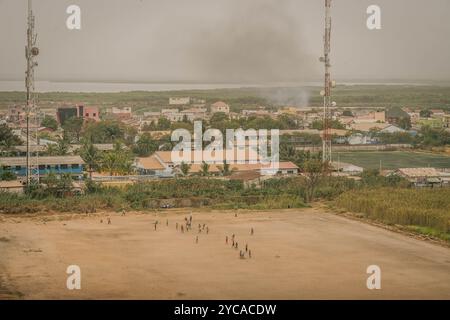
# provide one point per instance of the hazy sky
(227, 40)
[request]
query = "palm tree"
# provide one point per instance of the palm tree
(52, 150)
(62, 147)
(225, 169)
(124, 163)
(109, 161)
(90, 154)
(205, 169)
(185, 167)
(117, 162)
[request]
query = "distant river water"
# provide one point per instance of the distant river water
(61, 86)
(56, 86)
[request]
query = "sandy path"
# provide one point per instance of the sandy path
(296, 254)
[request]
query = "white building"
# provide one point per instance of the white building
(220, 106)
(124, 110)
(392, 129)
(181, 101)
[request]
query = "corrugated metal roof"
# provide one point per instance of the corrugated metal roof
(21, 161)
(419, 172)
(149, 163)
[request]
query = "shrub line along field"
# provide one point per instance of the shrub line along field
(393, 159)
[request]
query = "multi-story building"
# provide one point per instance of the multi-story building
(172, 115)
(220, 106)
(194, 114)
(91, 113)
(181, 101)
(79, 111)
(122, 113)
(16, 114)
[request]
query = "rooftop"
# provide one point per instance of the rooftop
(21, 161)
(419, 172)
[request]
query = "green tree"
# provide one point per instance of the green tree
(109, 162)
(145, 146)
(8, 176)
(7, 138)
(72, 129)
(334, 124)
(425, 113)
(405, 123)
(91, 156)
(347, 113)
(58, 185)
(225, 169)
(430, 137)
(313, 171)
(287, 122)
(287, 152)
(62, 147)
(49, 122)
(185, 167)
(218, 118)
(52, 149)
(130, 134)
(163, 124)
(118, 161)
(204, 169)
(108, 131)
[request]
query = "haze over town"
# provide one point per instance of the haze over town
(252, 41)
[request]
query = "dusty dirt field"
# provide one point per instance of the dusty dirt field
(297, 254)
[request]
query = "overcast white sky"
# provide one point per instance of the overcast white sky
(227, 40)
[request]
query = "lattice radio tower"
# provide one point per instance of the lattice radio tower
(31, 51)
(328, 85)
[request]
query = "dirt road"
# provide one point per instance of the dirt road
(296, 254)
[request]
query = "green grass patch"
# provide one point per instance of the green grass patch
(393, 159)
(430, 232)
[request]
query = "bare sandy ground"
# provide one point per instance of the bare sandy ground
(297, 254)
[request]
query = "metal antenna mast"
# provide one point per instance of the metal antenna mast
(326, 93)
(30, 53)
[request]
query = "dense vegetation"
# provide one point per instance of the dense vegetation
(426, 211)
(373, 96)
(7, 138)
(277, 192)
(273, 193)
